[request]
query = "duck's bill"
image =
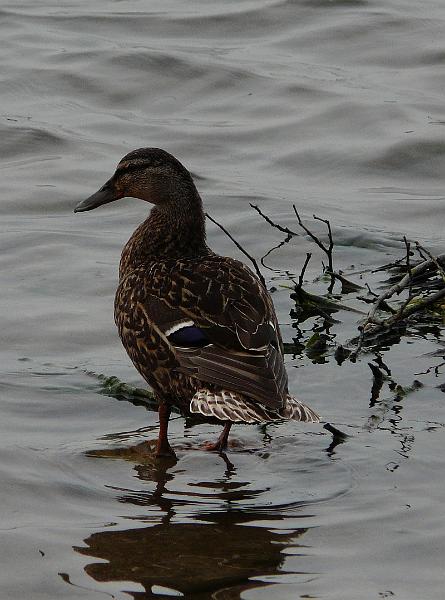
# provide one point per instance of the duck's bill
(106, 194)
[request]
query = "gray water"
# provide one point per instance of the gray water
(336, 106)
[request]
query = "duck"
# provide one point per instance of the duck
(200, 328)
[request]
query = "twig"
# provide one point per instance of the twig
(313, 237)
(411, 305)
(339, 435)
(263, 258)
(346, 285)
(238, 245)
(416, 304)
(408, 267)
(326, 249)
(421, 254)
(370, 291)
(331, 243)
(383, 305)
(402, 284)
(388, 265)
(303, 270)
(285, 230)
(435, 260)
(411, 296)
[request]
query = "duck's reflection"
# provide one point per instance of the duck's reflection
(211, 555)
(192, 558)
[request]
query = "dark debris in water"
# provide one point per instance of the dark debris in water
(411, 299)
(112, 386)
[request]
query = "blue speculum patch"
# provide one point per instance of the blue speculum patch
(189, 336)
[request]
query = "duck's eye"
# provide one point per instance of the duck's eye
(189, 336)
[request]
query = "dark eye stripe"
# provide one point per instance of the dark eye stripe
(132, 167)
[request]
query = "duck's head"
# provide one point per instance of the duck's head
(150, 174)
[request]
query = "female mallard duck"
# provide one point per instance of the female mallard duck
(200, 328)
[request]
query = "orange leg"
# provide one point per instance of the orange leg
(163, 447)
(221, 443)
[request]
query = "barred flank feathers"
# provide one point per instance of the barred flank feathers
(230, 406)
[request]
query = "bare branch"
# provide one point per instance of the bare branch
(285, 230)
(326, 249)
(347, 286)
(238, 245)
(331, 243)
(435, 260)
(402, 284)
(389, 265)
(303, 270)
(412, 304)
(416, 304)
(313, 237)
(263, 258)
(370, 291)
(408, 267)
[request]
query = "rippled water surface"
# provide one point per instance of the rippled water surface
(334, 105)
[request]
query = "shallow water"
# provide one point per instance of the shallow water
(336, 106)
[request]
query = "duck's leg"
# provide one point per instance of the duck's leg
(221, 442)
(163, 447)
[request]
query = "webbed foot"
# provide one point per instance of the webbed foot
(221, 443)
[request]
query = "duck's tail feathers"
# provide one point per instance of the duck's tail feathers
(297, 411)
(230, 406)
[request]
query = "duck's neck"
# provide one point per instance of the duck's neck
(175, 229)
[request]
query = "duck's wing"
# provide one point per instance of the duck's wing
(262, 377)
(223, 295)
(221, 322)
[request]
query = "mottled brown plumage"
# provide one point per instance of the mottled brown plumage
(200, 328)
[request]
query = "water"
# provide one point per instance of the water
(336, 106)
